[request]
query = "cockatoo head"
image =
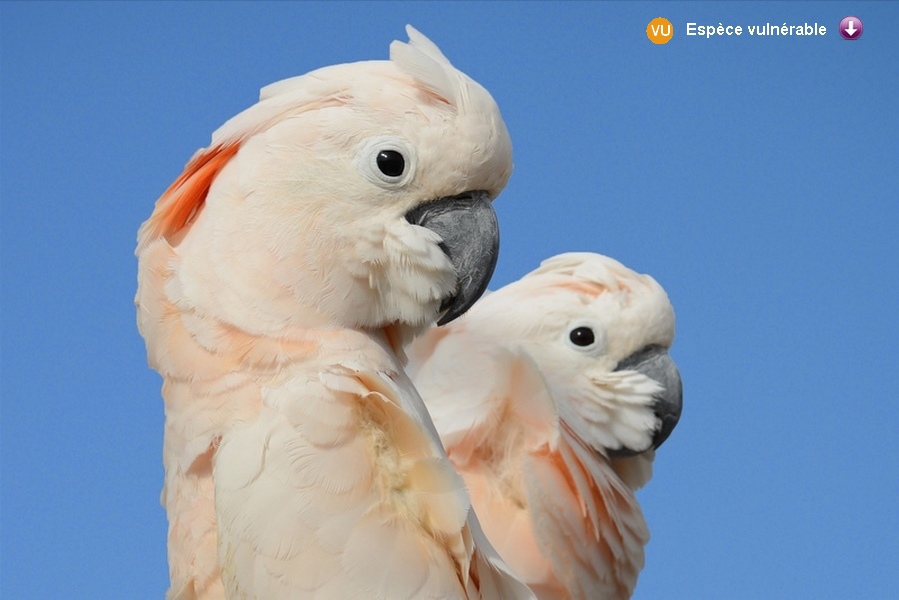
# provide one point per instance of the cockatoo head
(599, 334)
(357, 195)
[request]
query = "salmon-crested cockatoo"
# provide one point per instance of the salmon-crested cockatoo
(551, 395)
(279, 276)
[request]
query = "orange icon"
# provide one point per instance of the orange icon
(660, 31)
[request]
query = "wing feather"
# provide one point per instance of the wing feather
(579, 502)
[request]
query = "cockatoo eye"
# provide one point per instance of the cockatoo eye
(588, 338)
(387, 161)
(391, 163)
(582, 337)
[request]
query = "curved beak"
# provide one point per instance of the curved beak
(654, 362)
(470, 232)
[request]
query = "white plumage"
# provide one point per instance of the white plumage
(279, 277)
(551, 396)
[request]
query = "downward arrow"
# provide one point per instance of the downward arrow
(851, 29)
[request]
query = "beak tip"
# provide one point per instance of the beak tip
(448, 317)
(668, 423)
(669, 407)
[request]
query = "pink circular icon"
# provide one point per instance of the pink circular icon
(851, 28)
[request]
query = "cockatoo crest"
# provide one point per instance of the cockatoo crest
(420, 59)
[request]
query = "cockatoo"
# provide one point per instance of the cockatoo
(551, 395)
(279, 276)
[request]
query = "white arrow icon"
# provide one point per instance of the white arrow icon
(851, 28)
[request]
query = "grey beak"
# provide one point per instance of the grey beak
(470, 232)
(654, 362)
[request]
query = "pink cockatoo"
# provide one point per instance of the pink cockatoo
(551, 396)
(279, 277)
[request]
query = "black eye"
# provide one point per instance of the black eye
(391, 163)
(581, 336)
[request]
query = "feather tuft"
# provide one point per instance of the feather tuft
(421, 59)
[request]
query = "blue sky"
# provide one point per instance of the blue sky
(755, 177)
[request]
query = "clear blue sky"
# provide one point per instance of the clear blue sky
(756, 178)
